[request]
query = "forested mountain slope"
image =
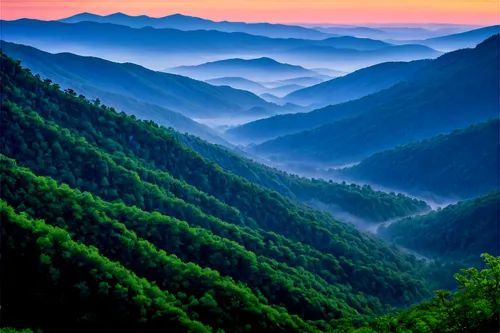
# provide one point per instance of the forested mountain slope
(458, 232)
(468, 85)
(360, 201)
(458, 165)
(144, 233)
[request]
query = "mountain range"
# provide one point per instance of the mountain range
(115, 221)
(187, 23)
(250, 69)
(161, 48)
(71, 164)
(349, 87)
(181, 94)
(468, 84)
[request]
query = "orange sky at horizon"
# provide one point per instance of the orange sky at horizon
(479, 12)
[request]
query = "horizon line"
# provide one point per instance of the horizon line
(353, 24)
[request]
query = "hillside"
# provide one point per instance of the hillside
(468, 85)
(356, 85)
(251, 69)
(359, 201)
(458, 165)
(183, 22)
(458, 232)
(244, 257)
(93, 76)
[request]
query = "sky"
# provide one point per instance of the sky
(477, 12)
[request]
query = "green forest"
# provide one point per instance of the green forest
(114, 224)
(457, 232)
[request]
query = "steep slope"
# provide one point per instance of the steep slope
(459, 165)
(359, 201)
(243, 258)
(91, 76)
(251, 69)
(458, 232)
(468, 85)
(183, 22)
(356, 85)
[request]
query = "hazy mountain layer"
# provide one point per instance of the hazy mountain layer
(167, 48)
(251, 69)
(85, 74)
(468, 85)
(183, 22)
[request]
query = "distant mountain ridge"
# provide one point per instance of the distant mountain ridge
(184, 22)
(252, 69)
(161, 48)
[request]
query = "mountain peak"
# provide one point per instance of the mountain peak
(119, 14)
(266, 60)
